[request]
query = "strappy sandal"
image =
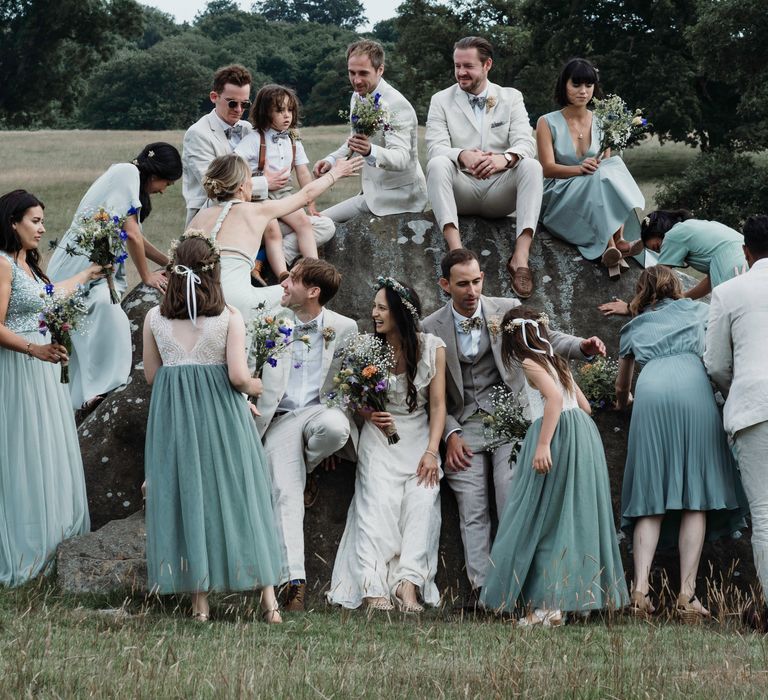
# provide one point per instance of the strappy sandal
(545, 618)
(201, 617)
(640, 605)
(688, 613)
(407, 608)
(272, 616)
(379, 604)
(610, 259)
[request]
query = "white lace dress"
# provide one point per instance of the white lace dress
(393, 524)
(210, 524)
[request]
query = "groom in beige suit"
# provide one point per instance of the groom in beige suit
(470, 326)
(393, 181)
(482, 156)
(737, 336)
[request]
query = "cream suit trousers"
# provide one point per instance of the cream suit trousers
(295, 443)
(453, 192)
(348, 209)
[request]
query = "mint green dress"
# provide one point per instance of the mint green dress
(209, 518)
(677, 456)
(42, 487)
(707, 246)
(556, 544)
(586, 210)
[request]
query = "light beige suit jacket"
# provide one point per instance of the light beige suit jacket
(452, 126)
(396, 183)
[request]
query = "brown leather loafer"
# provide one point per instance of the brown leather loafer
(294, 598)
(522, 281)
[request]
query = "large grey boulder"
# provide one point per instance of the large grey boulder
(408, 247)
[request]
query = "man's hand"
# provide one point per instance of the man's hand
(321, 168)
(330, 463)
(359, 143)
(469, 157)
(486, 164)
(593, 346)
(277, 179)
(458, 456)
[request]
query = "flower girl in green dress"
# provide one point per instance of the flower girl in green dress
(556, 549)
(209, 519)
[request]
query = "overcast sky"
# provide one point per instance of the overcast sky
(185, 10)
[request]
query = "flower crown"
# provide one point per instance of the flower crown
(542, 318)
(402, 292)
(195, 233)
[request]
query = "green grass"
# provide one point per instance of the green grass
(59, 166)
(55, 646)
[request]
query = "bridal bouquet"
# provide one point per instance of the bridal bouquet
(598, 382)
(61, 314)
(368, 114)
(507, 424)
(363, 380)
(271, 335)
(617, 123)
(101, 237)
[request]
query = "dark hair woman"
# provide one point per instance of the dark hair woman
(589, 195)
(101, 359)
(389, 548)
(42, 499)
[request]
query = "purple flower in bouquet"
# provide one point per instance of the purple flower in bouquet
(271, 337)
(60, 316)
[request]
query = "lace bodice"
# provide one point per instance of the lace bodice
(210, 348)
(536, 400)
(25, 303)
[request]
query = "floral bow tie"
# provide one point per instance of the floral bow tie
(280, 135)
(302, 328)
(475, 323)
(476, 101)
(234, 130)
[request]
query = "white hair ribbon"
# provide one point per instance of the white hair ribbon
(525, 321)
(192, 280)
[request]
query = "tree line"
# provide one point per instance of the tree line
(697, 68)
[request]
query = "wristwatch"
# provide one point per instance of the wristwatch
(510, 158)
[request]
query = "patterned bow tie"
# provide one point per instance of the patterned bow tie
(476, 101)
(280, 135)
(303, 328)
(236, 129)
(475, 323)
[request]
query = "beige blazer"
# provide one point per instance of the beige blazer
(737, 338)
(452, 127)
(441, 323)
(396, 183)
(276, 378)
(204, 141)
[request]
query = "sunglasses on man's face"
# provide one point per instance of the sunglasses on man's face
(232, 104)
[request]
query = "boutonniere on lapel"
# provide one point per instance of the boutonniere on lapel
(490, 103)
(294, 134)
(329, 335)
(494, 326)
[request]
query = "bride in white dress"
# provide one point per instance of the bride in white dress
(389, 548)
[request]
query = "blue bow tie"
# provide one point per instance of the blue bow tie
(475, 101)
(280, 135)
(236, 129)
(302, 328)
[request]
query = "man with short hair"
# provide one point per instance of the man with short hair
(393, 181)
(482, 156)
(737, 335)
(300, 431)
(470, 326)
(218, 133)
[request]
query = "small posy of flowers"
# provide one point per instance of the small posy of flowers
(61, 314)
(490, 103)
(507, 424)
(368, 115)
(272, 335)
(100, 236)
(362, 381)
(598, 382)
(493, 324)
(329, 335)
(617, 123)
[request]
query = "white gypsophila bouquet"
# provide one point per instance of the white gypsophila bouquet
(508, 422)
(617, 123)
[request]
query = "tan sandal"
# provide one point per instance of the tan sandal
(640, 605)
(201, 617)
(272, 616)
(629, 250)
(379, 604)
(404, 607)
(688, 613)
(610, 259)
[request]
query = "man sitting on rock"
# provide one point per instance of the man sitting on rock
(299, 430)
(470, 326)
(393, 181)
(482, 156)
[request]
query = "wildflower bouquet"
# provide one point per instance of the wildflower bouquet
(617, 123)
(363, 380)
(100, 236)
(272, 335)
(60, 316)
(598, 382)
(367, 115)
(507, 424)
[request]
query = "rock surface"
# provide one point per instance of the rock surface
(408, 247)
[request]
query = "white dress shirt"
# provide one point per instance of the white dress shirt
(278, 156)
(469, 343)
(305, 379)
(234, 140)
